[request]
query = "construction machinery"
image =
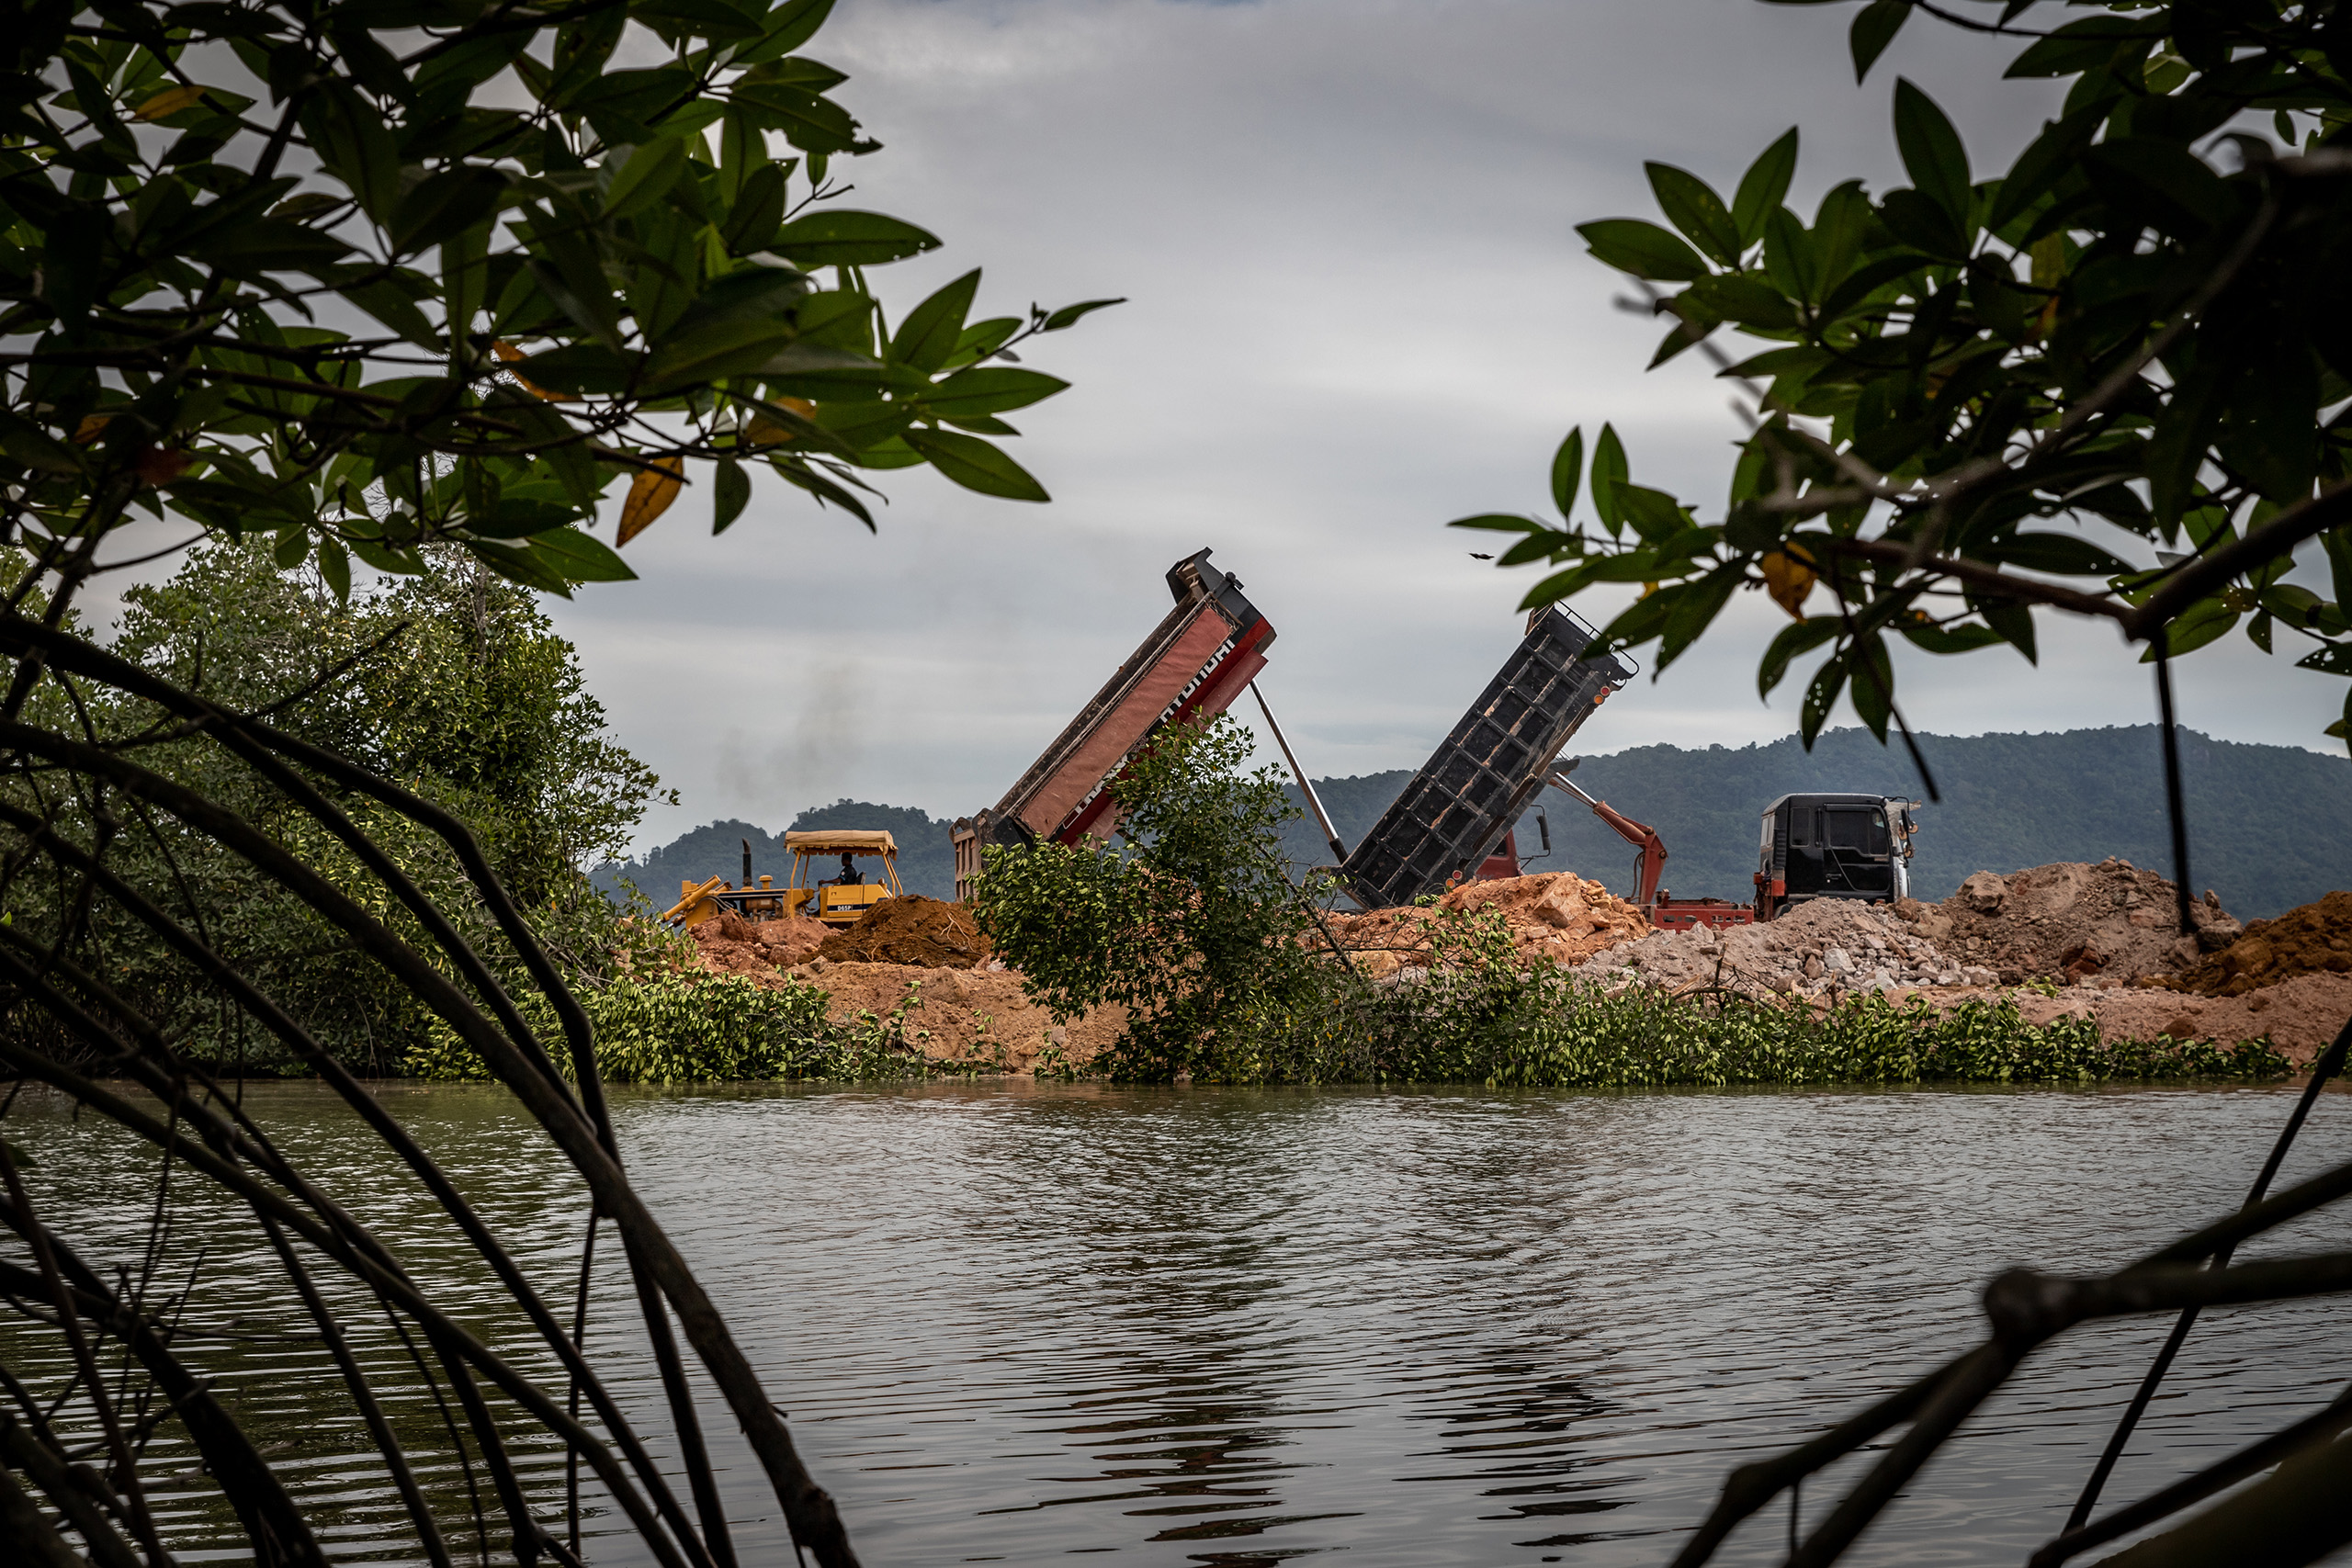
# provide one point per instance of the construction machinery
(1834, 846)
(1458, 811)
(700, 901)
(1664, 911)
(838, 900)
(1195, 664)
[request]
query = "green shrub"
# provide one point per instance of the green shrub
(1477, 1016)
(688, 1028)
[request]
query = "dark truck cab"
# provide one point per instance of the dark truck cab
(1834, 846)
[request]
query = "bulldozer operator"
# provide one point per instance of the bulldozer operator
(850, 877)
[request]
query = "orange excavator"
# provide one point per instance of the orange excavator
(1664, 911)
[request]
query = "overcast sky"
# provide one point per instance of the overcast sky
(1358, 308)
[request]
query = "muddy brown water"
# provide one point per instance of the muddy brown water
(1243, 1327)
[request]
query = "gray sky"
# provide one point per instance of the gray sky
(1358, 308)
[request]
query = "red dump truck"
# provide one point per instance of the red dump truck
(1196, 662)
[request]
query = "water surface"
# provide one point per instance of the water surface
(1239, 1327)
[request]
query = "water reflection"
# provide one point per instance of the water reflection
(1241, 1328)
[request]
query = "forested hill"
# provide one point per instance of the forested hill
(2269, 826)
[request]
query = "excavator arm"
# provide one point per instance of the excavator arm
(1641, 835)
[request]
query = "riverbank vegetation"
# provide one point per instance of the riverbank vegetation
(457, 685)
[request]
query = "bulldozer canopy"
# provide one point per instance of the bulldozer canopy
(858, 841)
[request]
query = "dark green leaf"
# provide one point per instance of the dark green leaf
(2330, 659)
(2194, 627)
(2066, 555)
(1932, 152)
(731, 492)
(835, 237)
(582, 558)
(1800, 637)
(2013, 623)
(990, 389)
(1070, 315)
(445, 204)
(758, 211)
(1746, 299)
(1764, 188)
(1609, 473)
(523, 564)
(976, 464)
(812, 123)
(579, 367)
(2337, 543)
(1655, 515)
(1820, 697)
(932, 329)
(646, 177)
(2082, 46)
(334, 564)
(863, 426)
(1789, 258)
(1964, 638)
(789, 25)
(1691, 206)
(2055, 154)
(734, 347)
(266, 244)
(1874, 27)
(1567, 472)
(1644, 249)
(2162, 184)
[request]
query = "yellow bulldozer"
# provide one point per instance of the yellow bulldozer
(837, 900)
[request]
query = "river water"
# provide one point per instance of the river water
(1240, 1327)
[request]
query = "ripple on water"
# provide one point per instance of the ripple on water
(1238, 1327)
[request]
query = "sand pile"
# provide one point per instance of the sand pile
(1556, 915)
(1829, 945)
(913, 930)
(2311, 938)
(2071, 920)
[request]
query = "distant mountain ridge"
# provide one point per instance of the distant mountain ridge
(2268, 826)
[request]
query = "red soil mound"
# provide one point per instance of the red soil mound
(1557, 915)
(910, 930)
(2311, 939)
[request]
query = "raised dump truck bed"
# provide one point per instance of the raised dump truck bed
(1474, 785)
(1199, 659)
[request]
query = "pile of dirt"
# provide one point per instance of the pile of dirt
(1556, 915)
(729, 944)
(2300, 1015)
(2072, 921)
(912, 929)
(2311, 938)
(976, 1019)
(1826, 947)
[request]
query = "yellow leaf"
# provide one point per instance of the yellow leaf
(1787, 579)
(649, 495)
(508, 354)
(766, 431)
(92, 426)
(170, 100)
